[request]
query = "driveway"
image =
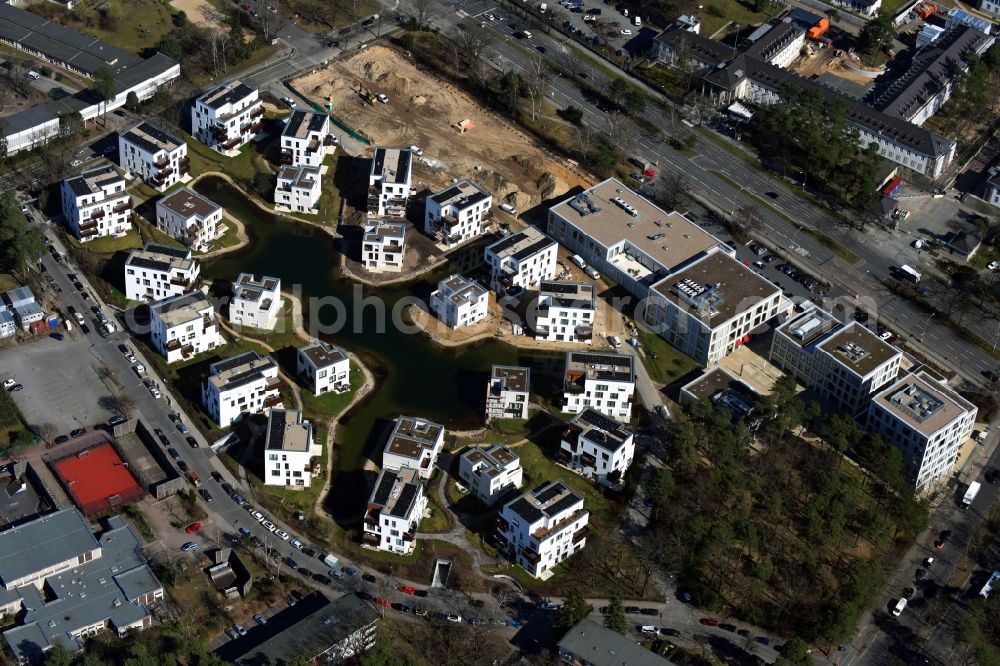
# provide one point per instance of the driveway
(61, 387)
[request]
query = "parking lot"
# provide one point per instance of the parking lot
(62, 389)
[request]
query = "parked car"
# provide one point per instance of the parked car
(351, 572)
(709, 621)
(240, 630)
(405, 589)
(188, 547)
(260, 619)
(193, 443)
(78, 432)
(192, 528)
(205, 495)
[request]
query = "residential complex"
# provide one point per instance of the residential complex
(564, 312)
(542, 527)
(289, 449)
(243, 384)
(323, 367)
(95, 204)
(157, 157)
(844, 363)
(490, 474)
(306, 139)
(603, 381)
(64, 585)
(507, 393)
(383, 246)
(190, 218)
(227, 117)
(926, 421)
(395, 507)
(298, 190)
(522, 259)
(462, 211)
(459, 302)
(597, 447)
(158, 271)
(183, 326)
(415, 444)
(389, 182)
(256, 301)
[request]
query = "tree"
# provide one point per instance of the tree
(536, 81)
(877, 34)
(180, 19)
(104, 86)
(3, 146)
(471, 44)
(674, 190)
(660, 486)
(571, 114)
(58, 656)
(19, 243)
(132, 101)
(795, 652)
(574, 609)
(421, 9)
(614, 619)
(170, 47)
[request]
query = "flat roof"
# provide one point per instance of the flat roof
(42, 543)
(600, 429)
(461, 290)
(181, 309)
(810, 326)
(514, 378)
(521, 245)
(858, 348)
(396, 492)
(921, 402)
(706, 386)
(461, 195)
(188, 203)
(670, 239)
(160, 258)
(239, 370)
(382, 230)
(228, 93)
(600, 646)
(93, 181)
(300, 177)
(151, 138)
(715, 288)
(303, 123)
(547, 500)
(580, 295)
(411, 436)
(392, 165)
(322, 354)
(493, 460)
(288, 431)
(600, 365)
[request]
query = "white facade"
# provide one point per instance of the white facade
(462, 211)
(927, 421)
(306, 139)
(298, 190)
(323, 367)
(845, 364)
(522, 259)
(415, 444)
(157, 271)
(507, 393)
(597, 447)
(190, 218)
(157, 157)
(565, 312)
(256, 301)
(289, 449)
(491, 473)
(183, 326)
(993, 189)
(7, 325)
(396, 505)
(543, 527)
(602, 381)
(95, 204)
(227, 118)
(244, 384)
(389, 182)
(383, 246)
(990, 7)
(460, 302)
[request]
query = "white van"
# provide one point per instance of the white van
(578, 260)
(648, 629)
(637, 21)
(507, 208)
(34, 76)
(526, 34)
(900, 606)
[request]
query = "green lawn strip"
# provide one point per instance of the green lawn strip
(146, 23)
(331, 404)
(229, 238)
(539, 469)
(151, 234)
(107, 245)
(716, 13)
(669, 364)
(204, 159)
(818, 236)
(292, 500)
(438, 520)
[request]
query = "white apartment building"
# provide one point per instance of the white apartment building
(414, 443)
(396, 505)
(306, 139)
(522, 259)
(456, 214)
(490, 474)
(289, 449)
(459, 301)
(993, 189)
(565, 312)
(157, 157)
(184, 326)
(845, 363)
(602, 381)
(389, 182)
(543, 527)
(927, 421)
(227, 118)
(507, 392)
(256, 301)
(709, 308)
(190, 218)
(383, 246)
(323, 367)
(157, 271)
(243, 384)
(95, 204)
(990, 7)
(597, 447)
(298, 190)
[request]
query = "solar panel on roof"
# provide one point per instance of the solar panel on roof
(151, 264)
(601, 359)
(506, 243)
(526, 510)
(599, 420)
(384, 488)
(447, 194)
(533, 248)
(559, 288)
(563, 504)
(406, 497)
(230, 363)
(276, 427)
(553, 491)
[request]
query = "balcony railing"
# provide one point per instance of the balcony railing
(123, 206)
(573, 387)
(219, 133)
(184, 165)
(272, 383)
(588, 460)
(369, 539)
(88, 233)
(565, 457)
(409, 536)
(180, 282)
(232, 143)
(88, 224)
(258, 112)
(581, 534)
(273, 401)
(97, 214)
(162, 162)
(173, 345)
(531, 556)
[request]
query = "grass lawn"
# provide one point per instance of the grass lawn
(331, 404)
(150, 234)
(204, 159)
(538, 469)
(7, 282)
(145, 22)
(287, 501)
(229, 238)
(108, 245)
(717, 13)
(669, 364)
(438, 519)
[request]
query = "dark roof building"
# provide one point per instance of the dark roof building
(593, 645)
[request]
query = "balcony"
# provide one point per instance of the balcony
(572, 388)
(588, 460)
(580, 534)
(161, 163)
(219, 132)
(164, 173)
(180, 282)
(173, 345)
(502, 525)
(258, 112)
(531, 556)
(88, 224)
(371, 540)
(187, 351)
(286, 156)
(123, 206)
(450, 220)
(88, 233)
(409, 536)
(584, 332)
(184, 165)
(97, 214)
(565, 456)
(232, 143)
(313, 146)
(272, 383)
(329, 140)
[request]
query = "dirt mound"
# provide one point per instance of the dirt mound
(418, 100)
(393, 82)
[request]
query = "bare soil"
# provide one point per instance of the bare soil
(200, 12)
(424, 110)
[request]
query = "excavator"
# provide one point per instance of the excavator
(366, 94)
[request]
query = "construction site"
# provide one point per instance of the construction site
(385, 97)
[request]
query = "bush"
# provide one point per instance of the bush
(9, 416)
(571, 114)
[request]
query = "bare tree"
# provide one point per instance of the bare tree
(584, 137)
(536, 81)
(618, 134)
(746, 218)
(421, 10)
(471, 43)
(674, 190)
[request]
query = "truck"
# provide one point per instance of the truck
(193, 478)
(330, 561)
(908, 273)
(970, 494)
